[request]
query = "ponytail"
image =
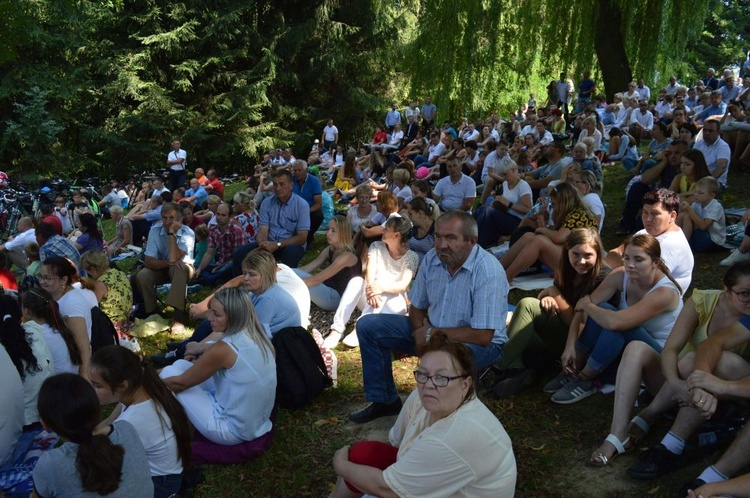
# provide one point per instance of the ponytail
(116, 365)
(663, 268)
(161, 395)
(69, 406)
(40, 304)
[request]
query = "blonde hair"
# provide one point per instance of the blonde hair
(244, 199)
(345, 232)
(241, 317)
(94, 259)
(710, 184)
(201, 232)
(265, 264)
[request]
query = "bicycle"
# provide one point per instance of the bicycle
(12, 209)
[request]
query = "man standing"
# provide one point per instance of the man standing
(223, 239)
(392, 117)
(177, 162)
(284, 223)
(412, 110)
(330, 135)
(716, 151)
(455, 191)
(169, 258)
(563, 95)
(14, 247)
(429, 111)
(308, 187)
(585, 90)
(461, 290)
(644, 92)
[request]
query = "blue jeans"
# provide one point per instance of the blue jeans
(322, 296)
(605, 346)
(700, 241)
(379, 334)
(166, 486)
(210, 277)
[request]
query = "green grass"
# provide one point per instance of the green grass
(551, 442)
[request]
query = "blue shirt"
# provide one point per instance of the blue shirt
(157, 246)
(309, 189)
(711, 110)
(58, 246)
(475, 296)
(276, 310)
(200, 195)
(284, 220)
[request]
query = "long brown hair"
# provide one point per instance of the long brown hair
(567, 199)
(652, 248)
(40, 304)
(571, 284)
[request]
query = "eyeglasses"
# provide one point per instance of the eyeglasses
(437, 380)
(48, 278)
(743, 296)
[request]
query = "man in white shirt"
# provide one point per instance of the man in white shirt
(564, 89)
(541, 134)
(643, 91)
(177, 162)
(435, 149)
(330, 135)
(672, 86)
(412, 110)
(641, 122)
(715, 150)
(455, 191)
(530, 127)
(492, 163)
(14, 247)
(470, 133)
(729, 91)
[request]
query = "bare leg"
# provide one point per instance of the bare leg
(737, 455)
(516, 249)
(525, 256)
(488, 188)
(687, 226)
(638, 360)
(340, 490)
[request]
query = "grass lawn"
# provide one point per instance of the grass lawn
(551, 442)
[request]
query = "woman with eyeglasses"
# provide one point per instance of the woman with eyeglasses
(445, 442)
(585, 182)
(57, 277)
(705, 314)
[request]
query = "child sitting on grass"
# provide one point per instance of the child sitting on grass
(32, 254)
(703, 221)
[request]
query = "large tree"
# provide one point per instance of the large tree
(478, 54)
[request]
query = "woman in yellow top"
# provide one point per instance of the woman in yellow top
(703, 315)
(693, 167)
(111, 286)
(545, 243)
(346, 180)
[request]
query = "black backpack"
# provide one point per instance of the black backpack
(300, 370)
(103, 332)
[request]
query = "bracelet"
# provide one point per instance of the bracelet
(427, 334)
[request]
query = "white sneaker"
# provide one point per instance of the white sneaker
(351, 340)
(735, 257)
(332, 340)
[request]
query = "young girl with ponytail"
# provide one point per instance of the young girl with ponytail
(119, 376)
(110, 462)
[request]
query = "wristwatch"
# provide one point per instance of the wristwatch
(278, 244)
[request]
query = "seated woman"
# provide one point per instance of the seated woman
(422, 237)
(275, 308)
(693, 167)
(110, 462)
(650, 301)
(142, 399)
(444, 434)
(390, 269)
(544, 243)
(657, 148)
(503, 215)
(541, 324)
(208, 215)
(228, 391)
(40, 309)
(346, 180)
(364, 210)
(123, 232)
(372, 230)
(590, 130)
(28, 351)
(622, 148)
(421, 189)
(586, 184)
(327, 286)
(188, 216)
(706, 313)
(111, 286)
(91, 237)
(401, 190)
(57, 277)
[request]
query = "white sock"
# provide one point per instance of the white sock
(712, 475)
(673, 443)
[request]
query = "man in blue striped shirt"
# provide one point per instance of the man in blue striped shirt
(460, 290)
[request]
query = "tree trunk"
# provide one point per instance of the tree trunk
(610, 49)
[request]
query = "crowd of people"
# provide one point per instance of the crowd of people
(435, 223)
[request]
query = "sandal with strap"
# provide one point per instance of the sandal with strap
(644, 426)
(599, 459)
